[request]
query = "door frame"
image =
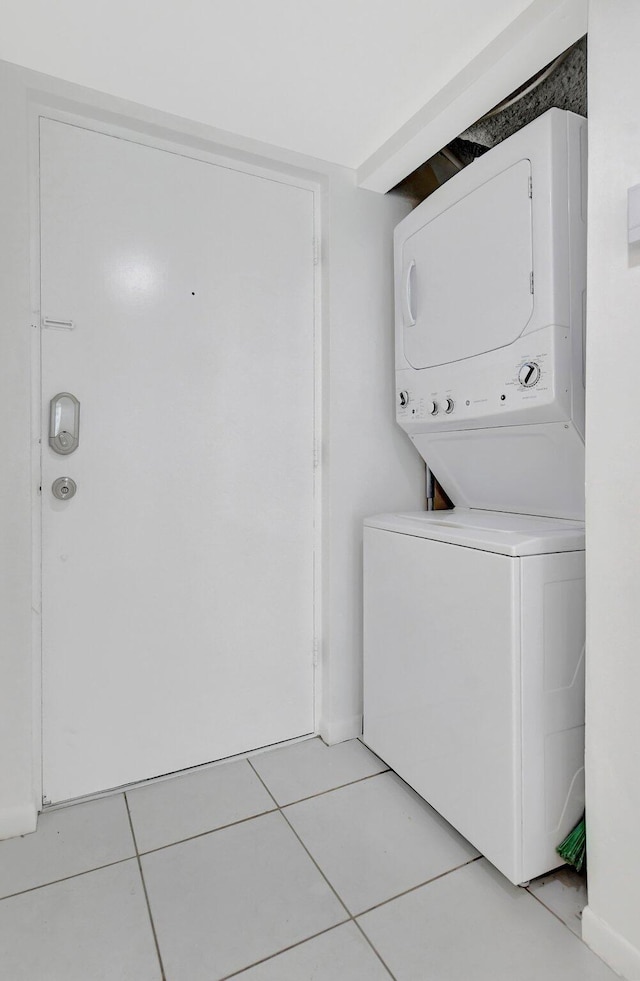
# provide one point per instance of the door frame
(208, 151)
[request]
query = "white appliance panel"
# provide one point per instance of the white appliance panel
(485, 391)
(536, 470)
(474, 680)
(177, 608)
(441, 678)
(484, 243)
(553, 711)
(489, 531)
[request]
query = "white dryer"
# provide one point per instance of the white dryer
(474, 673)
(490, 276)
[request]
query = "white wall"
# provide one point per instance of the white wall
(17, 794)
(371, 467)
(611, 923)
(368, 463)
(329, 78)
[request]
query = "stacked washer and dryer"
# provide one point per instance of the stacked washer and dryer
(474, 617)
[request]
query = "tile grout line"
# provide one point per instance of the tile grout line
(398, 896)
(330, 884)
(285, 950)
(314, 936)
(144, 889)
(212, 831)
(322, 793)
(272, 810)
(278, 807)
(420, 885)
(351, 916)
(66, 878)
(375, 950)
(348, 911)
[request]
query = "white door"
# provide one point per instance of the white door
(177, 606)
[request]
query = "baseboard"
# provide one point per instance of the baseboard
(20, 820)
(618, 953)
(338, 732)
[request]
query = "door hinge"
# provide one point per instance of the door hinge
(531, 187)
(531, 282)
(45, 801)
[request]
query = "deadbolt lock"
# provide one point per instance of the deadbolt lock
(64, 423)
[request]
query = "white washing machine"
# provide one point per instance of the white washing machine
(474, 618)
(474, 673)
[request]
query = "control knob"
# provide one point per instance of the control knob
(403, 399)
(529, 374)
(432, 408)
(448, 405)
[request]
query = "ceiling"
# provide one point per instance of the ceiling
(333, 79)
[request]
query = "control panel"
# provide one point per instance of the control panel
(526, 382)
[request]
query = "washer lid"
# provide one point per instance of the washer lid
(489, 531)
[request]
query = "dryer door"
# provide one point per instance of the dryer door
(467, 274)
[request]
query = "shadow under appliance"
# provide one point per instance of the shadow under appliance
(474, 618)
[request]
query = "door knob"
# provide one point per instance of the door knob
(64, 488)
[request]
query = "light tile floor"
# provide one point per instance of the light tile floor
(304, 863)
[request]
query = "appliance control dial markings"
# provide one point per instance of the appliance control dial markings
(529, 374)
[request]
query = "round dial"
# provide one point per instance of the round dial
(448, 405)
(529, 374)
(432, 407)
(403, 398)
